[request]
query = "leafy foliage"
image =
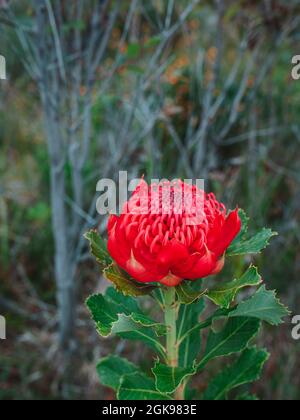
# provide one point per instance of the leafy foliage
(115, 313)
(112, 368)
(190, 340)
(263, 305)
(120, 279)
(246, 244)
(138, 386)
(98, 248)
(186, 294)
(224, 294)
(233, 338)
(118, 312)
(252, 245)
(168, 378)
(124, 283)
(246, 369)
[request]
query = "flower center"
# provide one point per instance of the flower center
(160, 213)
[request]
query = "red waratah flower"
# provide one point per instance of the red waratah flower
(157, 240)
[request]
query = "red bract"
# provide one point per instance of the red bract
(167, 241)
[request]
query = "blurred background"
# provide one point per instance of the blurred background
(165, 88)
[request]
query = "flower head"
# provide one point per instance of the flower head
(169, 232)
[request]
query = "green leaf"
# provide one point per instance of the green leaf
(145, 321)
(121, 280)
(262, 305)
(126, 284)
(245, 244)
(138, 386)
(98, 248)
(244, 228)
(252, 245)
(132, 322)
(134, 50)
(118, 314)
(114, 312)
(168, 379)
(111, 369)
(147, 336)
(246, 369)
(127, 303)
(136, 69)
(128, 323)
(234, 338)
(224, 294)
(189, 334)
(153, 41)
(103, 313)
(186, 295)
(190, 338)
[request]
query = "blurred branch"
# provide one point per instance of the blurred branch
(263, 132)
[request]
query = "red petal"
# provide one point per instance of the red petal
(203, 266)
(171, 280)
(219, 265)
(139, 272)
(112, 220)
(229, 231)
(171, 255)
(214, 232)
(117, 245)
(148, 260)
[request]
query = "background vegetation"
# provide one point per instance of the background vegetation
(165, 88)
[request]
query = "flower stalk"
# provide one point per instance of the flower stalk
(171, 312)
(170, 321)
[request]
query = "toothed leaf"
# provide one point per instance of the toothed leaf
(138, 386)
(111, 369)
(246, 369)
(224, 294)
(263, 305)
(233, 338)
(168, 378)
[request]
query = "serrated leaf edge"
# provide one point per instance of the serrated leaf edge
(106, 358)
(257, 377)
(194, 298)
(88, 238)
(272, 234)
(142, 390)
(194, 367)
(233, 288)
(131, 282)
(288, 312)
(256, 332)
(123, 315)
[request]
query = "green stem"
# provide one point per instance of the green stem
(170, 321)
(171, 311)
